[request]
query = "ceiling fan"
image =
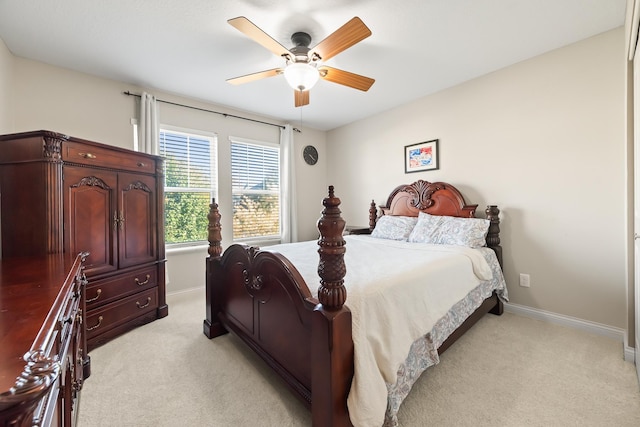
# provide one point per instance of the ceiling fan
(303, 65)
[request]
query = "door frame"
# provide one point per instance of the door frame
(632, 24)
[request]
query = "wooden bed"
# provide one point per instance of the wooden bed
(262, 298)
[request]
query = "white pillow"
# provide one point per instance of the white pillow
(450, 230)
(394, 227)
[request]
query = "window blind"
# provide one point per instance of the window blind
(190, 161)
(190, 182)
(255, 180)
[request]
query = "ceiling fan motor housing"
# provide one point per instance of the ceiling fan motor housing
(301, 39)
(300, 50)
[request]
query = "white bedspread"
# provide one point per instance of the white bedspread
(396, 292)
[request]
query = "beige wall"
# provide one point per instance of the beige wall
(71, 103)
(92, 108)
(544, 140)
(6, 76)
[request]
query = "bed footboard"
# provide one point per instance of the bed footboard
(261, 298)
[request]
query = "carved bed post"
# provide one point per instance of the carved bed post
(211, 325)
(493, 235)
(331, 343)
(493, 242)
(373, 215)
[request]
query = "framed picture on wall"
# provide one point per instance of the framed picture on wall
(422, 156)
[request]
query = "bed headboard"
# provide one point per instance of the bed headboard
(436, 198)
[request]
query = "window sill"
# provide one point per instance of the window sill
(259, 242)
(179, 250)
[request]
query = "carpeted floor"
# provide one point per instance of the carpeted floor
(506, 371)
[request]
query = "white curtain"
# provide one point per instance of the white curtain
(148, 132)
(289, 216)
(148, 126)
(631, 26)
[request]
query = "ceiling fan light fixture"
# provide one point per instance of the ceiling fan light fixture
(301, 76)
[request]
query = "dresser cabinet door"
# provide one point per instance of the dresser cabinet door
(137, 219)
(90, 216)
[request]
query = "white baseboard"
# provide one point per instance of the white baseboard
(573, 322)
(629, 352)
(184, 291)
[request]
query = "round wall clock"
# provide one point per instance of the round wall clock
(310, 155)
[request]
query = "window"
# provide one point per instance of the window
(255, 180)
(190, 183)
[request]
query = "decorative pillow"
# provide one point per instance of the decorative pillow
(394, 227)
(449, 230)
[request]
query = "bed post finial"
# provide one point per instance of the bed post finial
(373, 215)
(332, 294)
(214, 227)
(493, 235)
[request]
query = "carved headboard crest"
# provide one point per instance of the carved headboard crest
(422, 192)
(436, 198)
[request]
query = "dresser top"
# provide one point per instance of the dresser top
(30, 288)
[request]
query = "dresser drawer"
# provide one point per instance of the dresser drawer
(92, 155)
(104, 291)
(69, 322)
(120, 312)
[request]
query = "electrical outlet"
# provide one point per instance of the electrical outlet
(525, 280)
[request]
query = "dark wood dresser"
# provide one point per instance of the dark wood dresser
(43, 354)
(60, 194)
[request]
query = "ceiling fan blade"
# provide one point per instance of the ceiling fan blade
(346, 78)
(256, 34)
(301, 97)
(255, 76)
(343, 38)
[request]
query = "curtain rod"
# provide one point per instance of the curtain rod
(212, 111)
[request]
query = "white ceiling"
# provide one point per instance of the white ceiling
(186, 47)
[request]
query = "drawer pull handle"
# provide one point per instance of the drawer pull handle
(88, 155)
(144, 305)
(143, 283)
(141, 164)
(98, 293)
(96, 326)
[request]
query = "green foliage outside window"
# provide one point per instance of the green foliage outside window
(188, 182)
(186, 217)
